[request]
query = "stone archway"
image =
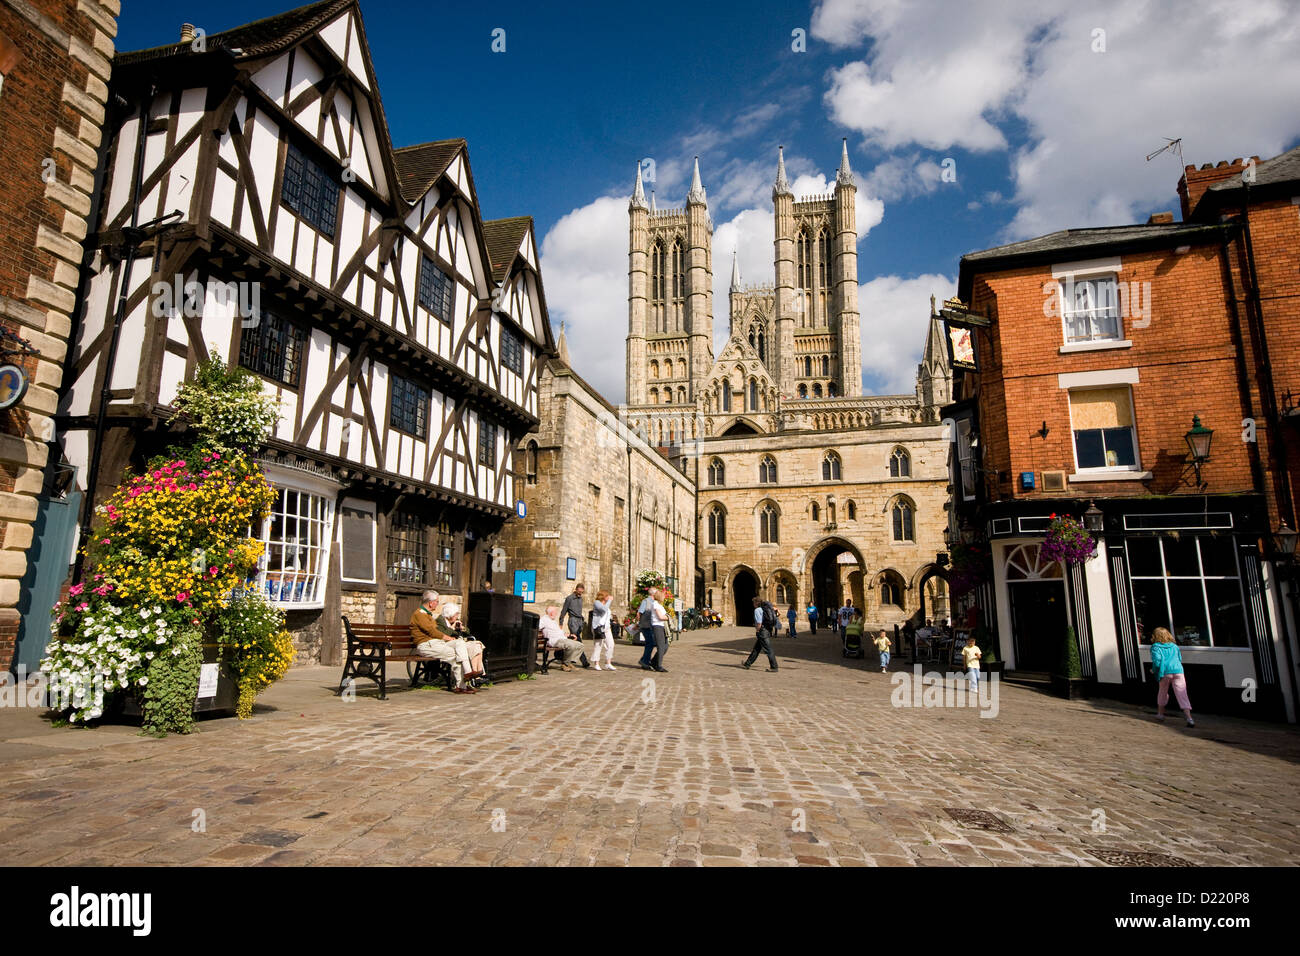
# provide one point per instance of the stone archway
(829, 579)
(930, 583)
(744, 588)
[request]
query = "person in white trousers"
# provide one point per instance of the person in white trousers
(602, 632)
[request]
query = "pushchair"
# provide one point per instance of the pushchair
(852, 640)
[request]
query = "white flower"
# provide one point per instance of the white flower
(161, 640)
(142, 681)
(148, 656)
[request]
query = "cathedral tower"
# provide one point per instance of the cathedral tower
(845, 277)
(783, 368)
(670, 298)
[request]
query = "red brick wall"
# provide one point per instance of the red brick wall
(1186, 361)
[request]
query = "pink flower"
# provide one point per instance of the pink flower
(183, 596)
(83, 606)
(106, 541)
(77, 588)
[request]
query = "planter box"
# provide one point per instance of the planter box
(226, 695)
(1069, 688)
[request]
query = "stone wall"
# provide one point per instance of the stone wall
(601, 497)
(54, 64)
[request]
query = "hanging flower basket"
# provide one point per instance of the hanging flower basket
(1067, 541)
(970, 567)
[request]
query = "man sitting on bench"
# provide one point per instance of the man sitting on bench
(432, 641)
(566, 648)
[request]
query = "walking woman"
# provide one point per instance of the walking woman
(601, 632)
(1167, 668)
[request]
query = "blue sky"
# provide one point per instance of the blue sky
(1040, 121)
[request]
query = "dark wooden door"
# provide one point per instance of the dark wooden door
(1038, 623)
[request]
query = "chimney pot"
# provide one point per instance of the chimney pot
(187, 32)
(1235, 162)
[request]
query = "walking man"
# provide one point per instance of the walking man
(572, 610)
(653, 621)
(846, 615)
(765, 622)
(812, 617)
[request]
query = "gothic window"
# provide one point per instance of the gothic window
(717, 525)
(803, 391)
(530, 463)
(816, 512)
(654, 369)
(753, 395)
(726, 396)
(678, 274)
(768, 530)
(767, 470)
(831, 467)
(826, 365)
(903, 521)
(852, 510)
(900, 464)
(891, 589)
(717, 473)
(657, 273)
(817, 390)
(805, 261)
(823, 262)
(807, 365)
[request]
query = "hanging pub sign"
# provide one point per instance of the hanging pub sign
(13, 385)
(959, 328)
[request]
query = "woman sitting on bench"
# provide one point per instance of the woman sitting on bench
(432, 640)
(449, 622)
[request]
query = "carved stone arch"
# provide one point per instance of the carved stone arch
(925, 571)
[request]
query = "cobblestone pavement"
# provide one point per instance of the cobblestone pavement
(719, 766)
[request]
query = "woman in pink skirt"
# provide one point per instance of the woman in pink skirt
(1167, 668)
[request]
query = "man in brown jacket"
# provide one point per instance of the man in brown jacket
(432, 641)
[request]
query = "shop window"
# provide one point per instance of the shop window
(1190, 584)
(296, 537)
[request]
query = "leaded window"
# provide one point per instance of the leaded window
(436, 290)
(410, 408)
(444, 557)
(717, 472)
(900, 464)
(487, 443)
(903, 521)
(310, 191)
(717, 525)
(767, 470)
(768, 530)
(512, 350)
(408, 549)
(273, 347)
(831, 467)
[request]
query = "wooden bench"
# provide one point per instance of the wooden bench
(371, 647)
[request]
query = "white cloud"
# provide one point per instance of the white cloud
(894, 314)
(584, 267)
(1220, 74)
(904, 176)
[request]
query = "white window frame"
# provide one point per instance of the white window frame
(360, 504)
(1090, 270)
(1120, 472)
(327, 492)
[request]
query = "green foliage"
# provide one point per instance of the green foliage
(226, 406)
(1070, 665)
(172, 683)
(987, 642)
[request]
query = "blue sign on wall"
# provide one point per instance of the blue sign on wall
(526, 585)
(1027, 480)
(521, 508)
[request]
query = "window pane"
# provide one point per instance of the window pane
(1190, 625)
(1219, 557)
(1227, 615)
(1144, 557)
(1150, 607)
(1089, 448)
(1119, 448)
(1180, 557)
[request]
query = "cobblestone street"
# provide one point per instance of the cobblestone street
(811, 765)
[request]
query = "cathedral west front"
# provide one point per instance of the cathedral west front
(807, 489)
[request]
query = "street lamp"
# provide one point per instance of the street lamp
(1284, 541)
(947, 537)
(1198, 443)
(1092, 518)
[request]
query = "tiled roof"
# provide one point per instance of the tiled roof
(1268, 172)
(503, 237)
(418, 167)
(1082, 240)
(251, 39)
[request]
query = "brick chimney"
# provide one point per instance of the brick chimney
(1196, 181)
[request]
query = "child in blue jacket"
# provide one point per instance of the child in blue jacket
(1167, 668)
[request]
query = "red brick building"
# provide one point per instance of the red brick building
(1100, 355)
(54, 70)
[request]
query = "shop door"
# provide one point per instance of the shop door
(1038, 623)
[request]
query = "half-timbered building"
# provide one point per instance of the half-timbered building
(254, 205)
